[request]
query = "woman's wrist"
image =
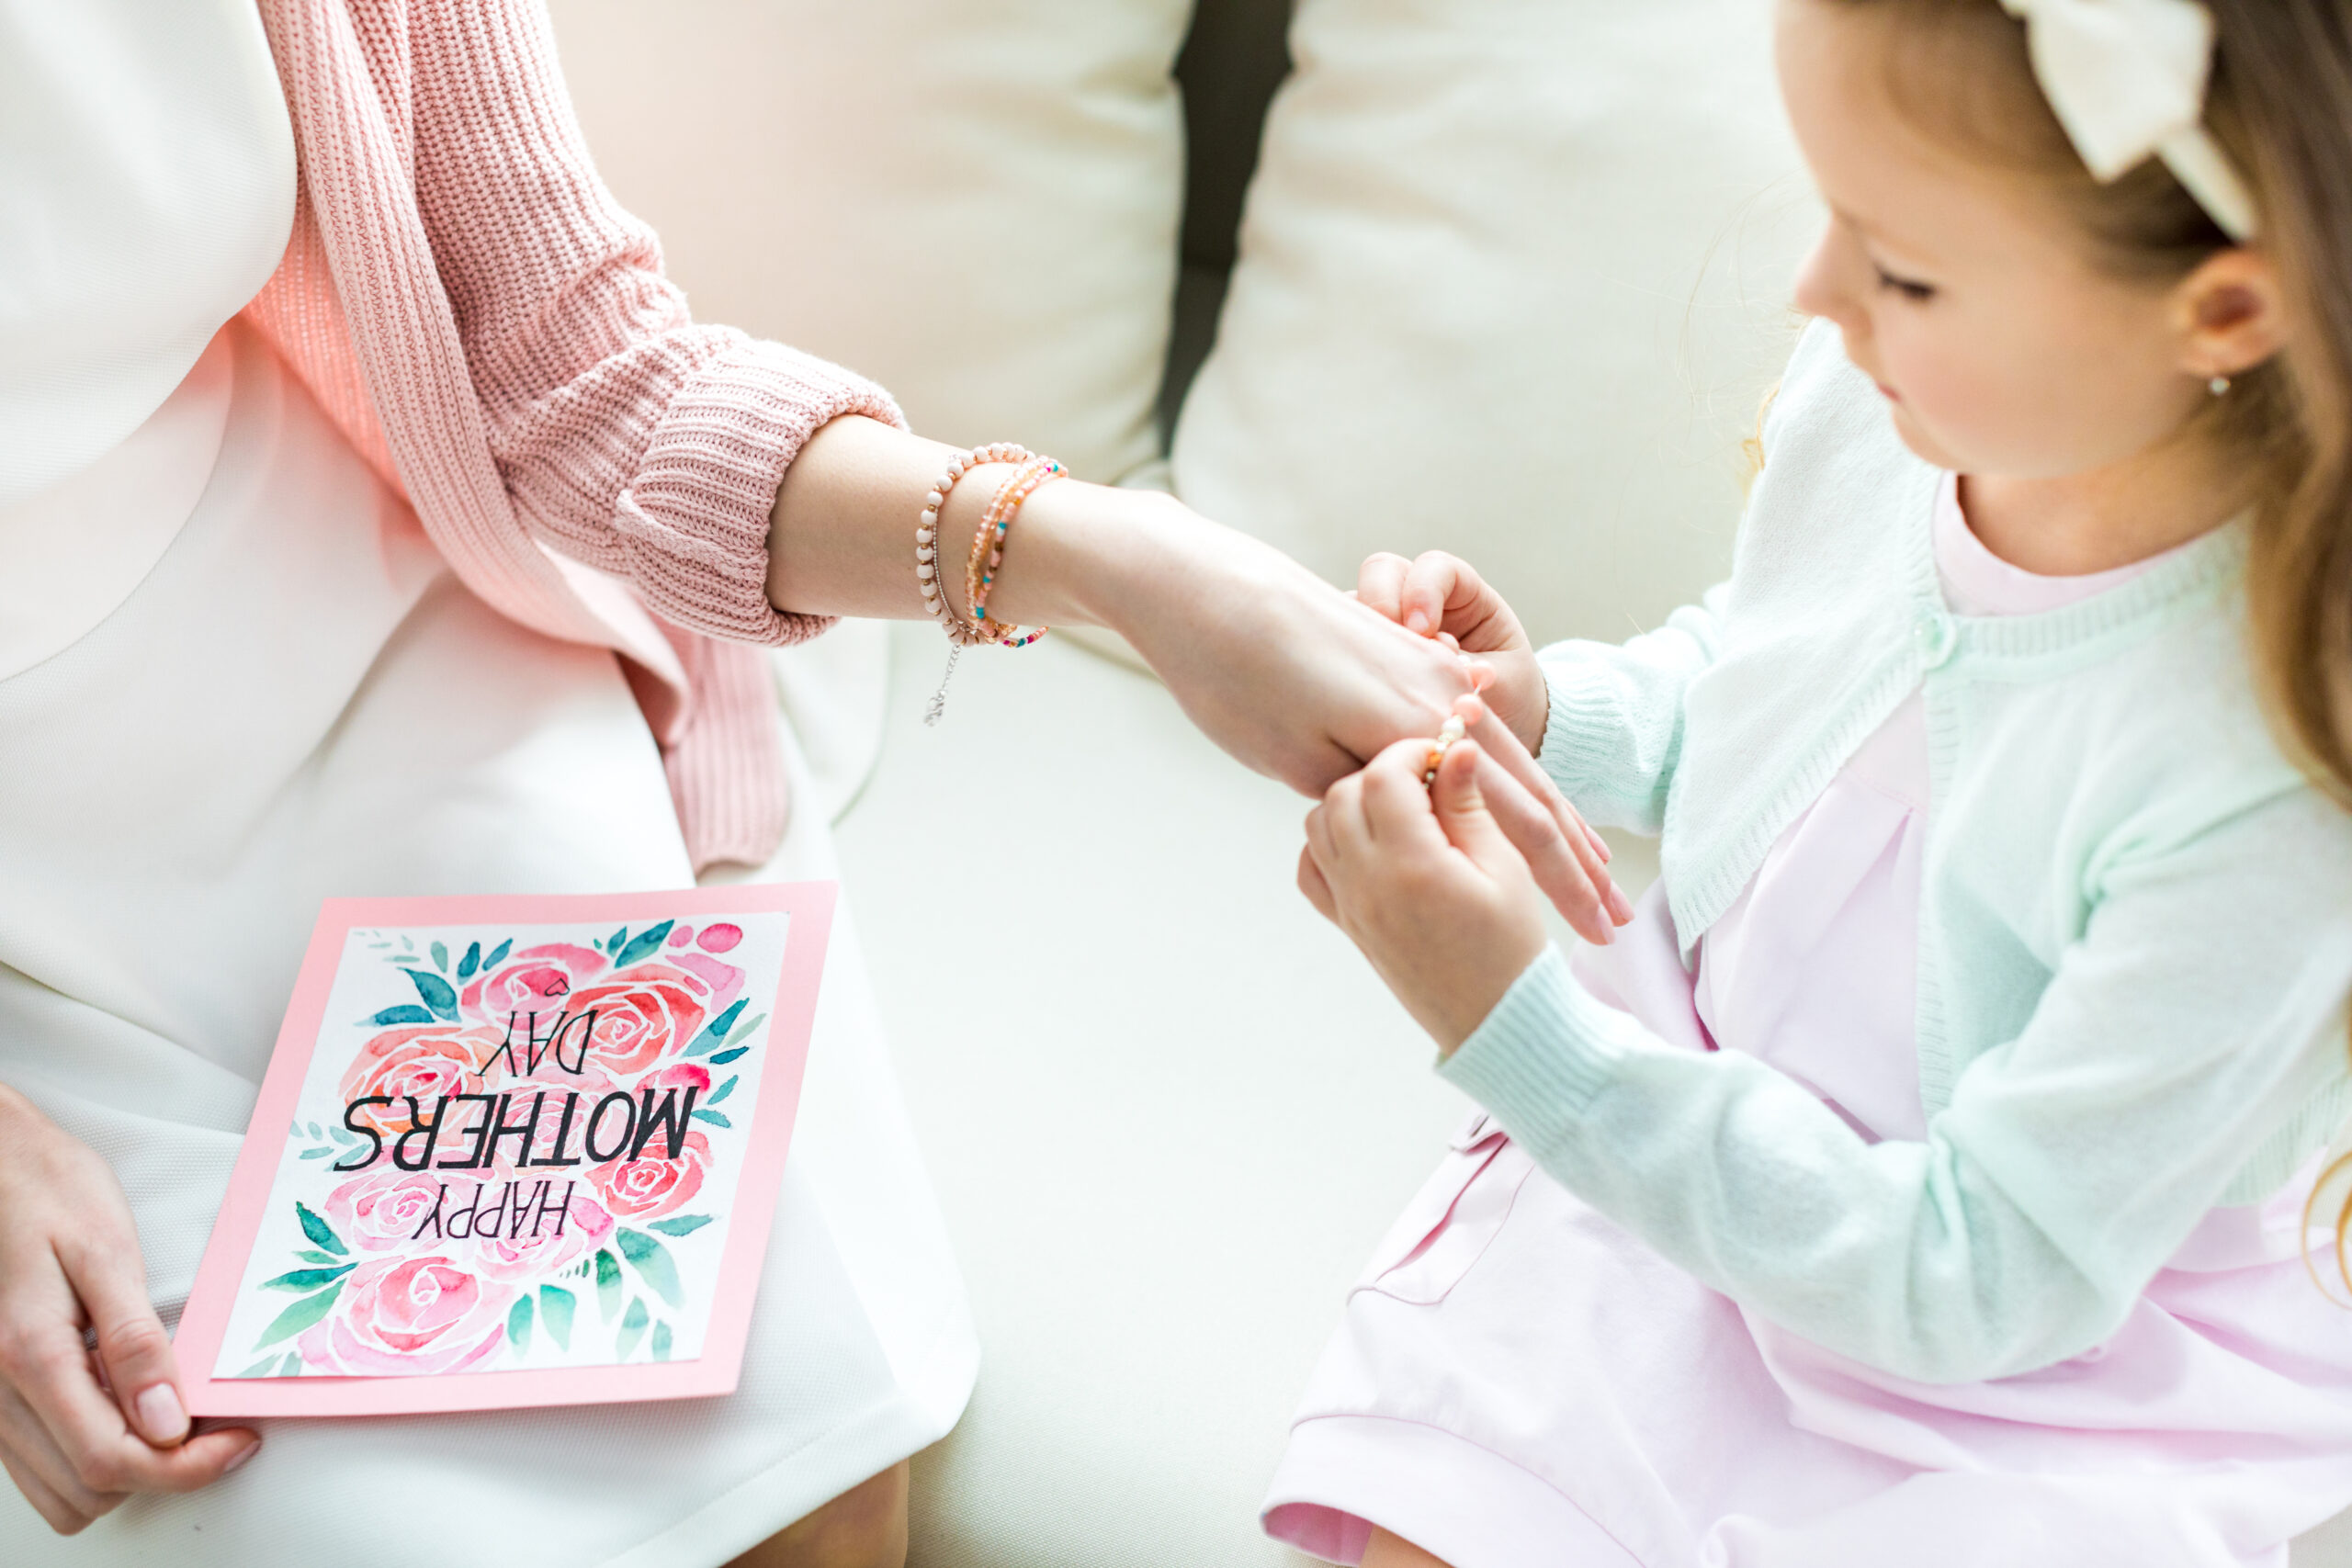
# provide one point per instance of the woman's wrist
(1082, 554)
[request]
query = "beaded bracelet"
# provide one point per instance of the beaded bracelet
(961, 633)
(1448, 737)
(987, 549)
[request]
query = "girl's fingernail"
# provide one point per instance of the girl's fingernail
(161, 1417)
(1416, 622)
(244, 1454)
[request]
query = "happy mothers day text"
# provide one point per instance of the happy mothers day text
(617, 1128)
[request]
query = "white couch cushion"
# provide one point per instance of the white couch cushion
(975, 202)
(1512, 282)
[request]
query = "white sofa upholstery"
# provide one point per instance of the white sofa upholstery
(1168, 1110)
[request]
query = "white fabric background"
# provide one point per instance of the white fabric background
(973, 201)
(1514, 275)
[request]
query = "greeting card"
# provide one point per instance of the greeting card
(512, 1151)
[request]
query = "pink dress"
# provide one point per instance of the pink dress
(1516, 1382)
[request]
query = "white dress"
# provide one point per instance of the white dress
(236, 678)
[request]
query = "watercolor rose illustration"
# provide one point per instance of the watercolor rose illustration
(396, 1279)
(383, 1209)
(409, 1315)
(649, 1187)
(643, 1015)
(536, 980)
(425, 1061)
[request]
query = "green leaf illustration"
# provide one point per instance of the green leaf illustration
(438, 993)
(722, 1091)
(309, 1257)
(498, 954)
(555, 1311)
(744, 1032)
(716, 1118)
(307, 1278)
(652, 1260)
(730, 1054)
(316, 1154)
(407, 1013)
(632, 1330)
(681, 1224)
(613, 942)
(518, 1327)
(320, 1233)
(644, 945)
(470, 962)
(440, 958)
(292, 1365)
(299, 1316)
(608, 1284)
(715, 1036)
(661, 1341)
(260, 1369)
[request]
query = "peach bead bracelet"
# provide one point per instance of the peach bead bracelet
(962, 633)
(988, 548)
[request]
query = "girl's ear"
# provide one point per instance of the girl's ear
(2230, 314)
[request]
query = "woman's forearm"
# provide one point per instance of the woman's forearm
(841, 537)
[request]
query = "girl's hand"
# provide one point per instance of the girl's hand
(80, 1430)
(1426, 881)
(1301, 682)
(1440, 595)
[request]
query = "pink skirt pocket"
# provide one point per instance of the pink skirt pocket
(1453, 1220)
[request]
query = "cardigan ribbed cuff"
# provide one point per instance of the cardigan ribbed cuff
(1543, 1055)
(696, 512)
(1583, 707)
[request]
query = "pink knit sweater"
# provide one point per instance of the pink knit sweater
(495, 336)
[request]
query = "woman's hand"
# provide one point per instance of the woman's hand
(81, 1430)
(1301, 682)
(1439, 596)
(1427, 883)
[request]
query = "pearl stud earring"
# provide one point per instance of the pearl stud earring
(2219, 386)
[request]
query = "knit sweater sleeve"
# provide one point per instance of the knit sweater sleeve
(629, 437)
(1615, 729)
(2202, 1006)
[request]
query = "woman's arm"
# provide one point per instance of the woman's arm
(1290, 676)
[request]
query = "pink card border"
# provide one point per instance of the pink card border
(810, 905)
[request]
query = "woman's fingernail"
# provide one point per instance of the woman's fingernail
(1416, 622)
(1620, 906)
(161, 1417)
(243, 1455)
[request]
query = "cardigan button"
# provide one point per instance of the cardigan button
(1938, 637)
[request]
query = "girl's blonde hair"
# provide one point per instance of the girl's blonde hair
(2281, 105)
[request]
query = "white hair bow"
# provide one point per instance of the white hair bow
(2127, 79)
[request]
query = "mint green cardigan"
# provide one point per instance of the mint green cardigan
(2136, 927)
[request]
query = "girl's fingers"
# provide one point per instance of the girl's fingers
(1504, 750)
(1380, 583)
(1317, 888)
(1347, 834)
(1434, 584)
(1565, 877)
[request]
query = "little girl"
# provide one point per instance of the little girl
(1921, 1179)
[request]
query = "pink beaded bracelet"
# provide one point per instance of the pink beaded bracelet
(959, 631)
